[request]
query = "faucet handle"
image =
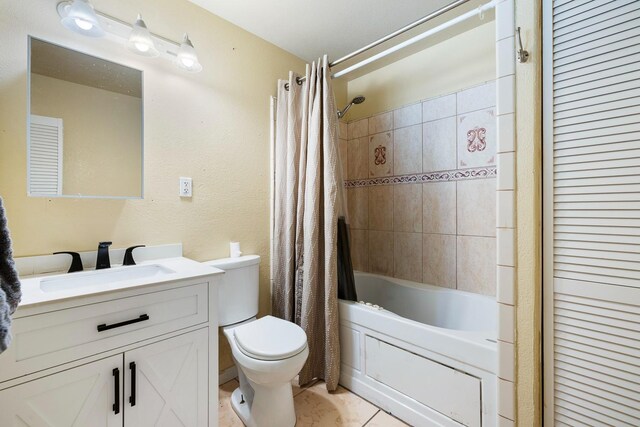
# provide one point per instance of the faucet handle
(76, 261)
(128, 255)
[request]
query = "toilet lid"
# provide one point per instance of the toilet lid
(270, 338)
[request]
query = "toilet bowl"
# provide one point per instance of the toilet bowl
(268, 352)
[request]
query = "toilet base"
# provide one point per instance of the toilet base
(271, 407)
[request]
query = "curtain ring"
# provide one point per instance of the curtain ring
(481, 13)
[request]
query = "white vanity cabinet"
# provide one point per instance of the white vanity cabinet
(137, 356)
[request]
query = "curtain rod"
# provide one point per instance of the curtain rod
(479, 11)
(402, 30)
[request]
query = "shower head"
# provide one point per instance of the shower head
(357, 100)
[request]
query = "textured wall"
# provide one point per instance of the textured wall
(212, 126)
(529, 176)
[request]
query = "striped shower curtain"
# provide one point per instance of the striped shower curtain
(308, 201)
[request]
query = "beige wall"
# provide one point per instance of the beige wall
(529, 173)
(212, 126)
(102, 149)
(428, 73)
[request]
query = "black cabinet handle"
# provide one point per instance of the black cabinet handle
(116, 397)
(132, 398)
(105, 327)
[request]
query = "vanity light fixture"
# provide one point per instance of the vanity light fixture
(140, 40)
(79, 16)
(187, 58)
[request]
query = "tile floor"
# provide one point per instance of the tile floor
(316, 407)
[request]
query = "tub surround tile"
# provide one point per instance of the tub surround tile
(407, 147)
(381, 252)
(506, 361)
(505, 52)
(505, 15)
(439, 254)
(360, 249)
(408, 256)
(439, 207)
(343, 131)
(477, 139)
(439, 145)
(357, 158)
(476, 264)
(477, 98)
(506, 133)
(505, 209)
(476, 207)
(506, 318)
(506, 104)
(407, 208)
(505, 284)
(342, 152)
(407, 116)
(506, 406)
(380, 157)
(358, 129)
(381, 208)
(358, 205)
(382, 419)
(439, 108)
(316, 407)
(506, 171)
(226, 414)
(381, 123)
(506, 247)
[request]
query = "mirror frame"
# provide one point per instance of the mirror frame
(28, 145)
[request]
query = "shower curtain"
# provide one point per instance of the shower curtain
(309, 200)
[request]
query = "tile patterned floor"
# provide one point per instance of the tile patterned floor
(316, 407)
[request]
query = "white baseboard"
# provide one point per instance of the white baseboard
(227, 375)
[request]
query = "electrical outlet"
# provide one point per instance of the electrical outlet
(185, 187)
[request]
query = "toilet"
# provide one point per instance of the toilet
(268, 352)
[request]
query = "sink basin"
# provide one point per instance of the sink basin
(103, 277)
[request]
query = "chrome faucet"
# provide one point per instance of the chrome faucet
(103, 256)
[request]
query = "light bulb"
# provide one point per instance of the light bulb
(142, 47)
(187, 62)
(85, 25)
(187, 58)
(140, 40)
(79, 16)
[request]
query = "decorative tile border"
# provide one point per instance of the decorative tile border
(438, 176)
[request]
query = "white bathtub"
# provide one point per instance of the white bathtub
(428, 356)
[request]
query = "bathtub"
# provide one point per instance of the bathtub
(426, 354)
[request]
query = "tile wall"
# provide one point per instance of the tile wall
(421, 190)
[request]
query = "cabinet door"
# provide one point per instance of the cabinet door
(82, 396)
(166, 383)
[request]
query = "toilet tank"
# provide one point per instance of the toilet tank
(237, 289)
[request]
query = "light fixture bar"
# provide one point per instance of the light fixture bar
(119, 30)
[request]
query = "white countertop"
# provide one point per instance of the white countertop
(182, 268)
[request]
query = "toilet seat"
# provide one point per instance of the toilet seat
(270, 338)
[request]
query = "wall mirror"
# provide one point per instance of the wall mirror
(84, 125)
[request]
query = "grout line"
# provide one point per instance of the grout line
(372, 417)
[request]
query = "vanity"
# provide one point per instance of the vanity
(125, 346)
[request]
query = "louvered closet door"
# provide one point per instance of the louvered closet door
(591, 297)
(45, 156)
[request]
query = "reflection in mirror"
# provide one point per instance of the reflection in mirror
(85, 125)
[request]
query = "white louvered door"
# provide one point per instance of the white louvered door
(45, 156)
(591, 80)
